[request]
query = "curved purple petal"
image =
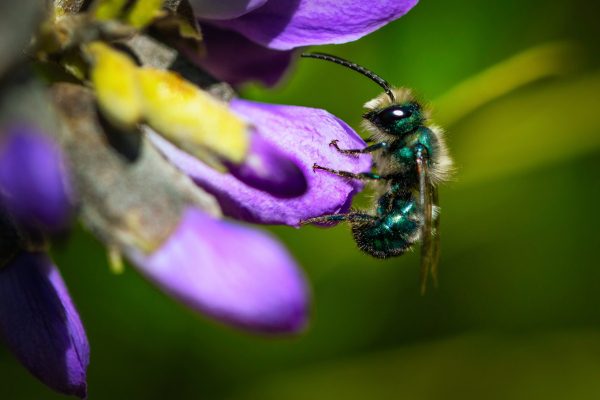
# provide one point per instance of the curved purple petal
(303, 135)
(212, 9)
(233, 273)
(287, 24)
(232, 58)
(40, 324)
(33, 182)
(267, 169)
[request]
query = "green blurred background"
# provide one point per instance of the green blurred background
(517, 313)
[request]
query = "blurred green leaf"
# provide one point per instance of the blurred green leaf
(551, 59)
(529, 129)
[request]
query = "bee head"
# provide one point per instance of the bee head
(397, 119)
(394, 112)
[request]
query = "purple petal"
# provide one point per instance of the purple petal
(224, 9)
(302, 135)
(231, 272)
(266, 168)
(33, 182)
(232, 58)
(287, 24)
(40, 324)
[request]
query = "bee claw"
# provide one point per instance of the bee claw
(315, 167)
(334, 143)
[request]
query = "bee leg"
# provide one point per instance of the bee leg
(351, 175)
(368, 149)
(351, 217)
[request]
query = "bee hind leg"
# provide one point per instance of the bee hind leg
(350, 217)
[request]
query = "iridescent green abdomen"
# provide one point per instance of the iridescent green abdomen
(392, 232)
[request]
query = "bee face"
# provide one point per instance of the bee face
(397, 119)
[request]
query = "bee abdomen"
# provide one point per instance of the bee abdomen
(391, 235)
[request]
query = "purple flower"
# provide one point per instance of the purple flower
(134, 200)
(257, 285)
(40, 324)
(280, 26)
(301, 134)
(234, 273)
(34, 186)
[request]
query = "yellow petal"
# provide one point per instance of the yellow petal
(143, 12)
(114, 76)
(191, 118)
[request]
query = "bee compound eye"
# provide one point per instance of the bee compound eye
(393, 114)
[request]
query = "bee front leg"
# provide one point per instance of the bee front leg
(361, 176)
(368, 149)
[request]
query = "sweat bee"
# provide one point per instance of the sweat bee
(410, 159)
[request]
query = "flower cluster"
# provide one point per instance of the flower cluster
(122, 115)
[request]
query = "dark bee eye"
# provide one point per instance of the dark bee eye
(393, 114)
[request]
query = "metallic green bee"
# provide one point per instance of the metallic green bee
(411, 159)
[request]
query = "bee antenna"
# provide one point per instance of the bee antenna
(362, 70)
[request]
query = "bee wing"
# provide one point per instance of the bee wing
(435, 233)
(429, 244)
